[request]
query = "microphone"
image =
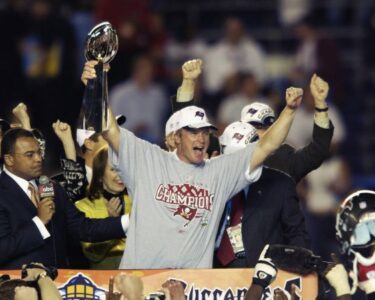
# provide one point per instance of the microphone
(45, 188)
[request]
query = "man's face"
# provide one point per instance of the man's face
(26, 160)
(192, 145)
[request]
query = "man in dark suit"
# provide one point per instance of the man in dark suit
(272, 202)
(33, 229)
(267, 212)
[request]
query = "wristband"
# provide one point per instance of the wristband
(321, 109)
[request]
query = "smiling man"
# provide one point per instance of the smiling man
(34, 229)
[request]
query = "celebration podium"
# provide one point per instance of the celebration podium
(199, 284)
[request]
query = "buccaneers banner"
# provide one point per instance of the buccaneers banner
(200, 284)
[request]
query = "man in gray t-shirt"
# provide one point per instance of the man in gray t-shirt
(179, 197)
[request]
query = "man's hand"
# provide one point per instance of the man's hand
(20, 112)
(114, 207)
(319, 90)
(293, 97)
(279, 294)
(337, 277)
(111, 295)
(130, 286)
(64, 133)
(62, 130)
(265, 270)
(89, 70)
(173, 290)
(46, 210)
(32, 273)
(192, 69)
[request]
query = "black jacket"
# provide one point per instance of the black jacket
(272, 215)
(22, 243)
(299, 162)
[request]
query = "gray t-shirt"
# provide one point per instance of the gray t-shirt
(176, 206)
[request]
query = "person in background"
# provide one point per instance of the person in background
(273, 198)
(73, 178)
(106, 197)
(235, 53)
(297, 162)
(143, 100)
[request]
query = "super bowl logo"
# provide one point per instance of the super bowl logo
(81, 287)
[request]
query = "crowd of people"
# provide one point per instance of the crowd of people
(169, 188)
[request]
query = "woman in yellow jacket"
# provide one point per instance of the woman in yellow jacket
(107, 197)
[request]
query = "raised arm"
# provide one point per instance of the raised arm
(276, 134)
(308, 158)
(298, 163)
(185, 93)
(319, 90)
(112, 133)
(64, 133)
(20, 112)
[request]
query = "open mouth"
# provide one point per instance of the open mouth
(198, 150)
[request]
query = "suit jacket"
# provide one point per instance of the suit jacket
(298, 163)
(20, 240)
(272, 215)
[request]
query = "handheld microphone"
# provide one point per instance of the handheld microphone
(45, 188)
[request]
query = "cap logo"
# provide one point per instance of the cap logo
(252, 111)
(199, 114)
(238, 136)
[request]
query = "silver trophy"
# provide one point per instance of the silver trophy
(101, 45)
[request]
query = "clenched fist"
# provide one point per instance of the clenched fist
(293, 97)
(62, 130)
(192, 69)
(20, 112)
(89, 70)
(319, 89)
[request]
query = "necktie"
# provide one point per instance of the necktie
(34, 194)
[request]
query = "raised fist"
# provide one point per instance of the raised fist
(89, 71)
(62, 130)
(192, 69)
(20, 112)
(319, 89)
(293, 97)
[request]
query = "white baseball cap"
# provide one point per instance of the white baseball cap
(258, 114)
(171, 123)
(192, 117)
(82, 135)
(236, 136)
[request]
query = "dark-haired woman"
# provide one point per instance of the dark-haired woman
(107, 197)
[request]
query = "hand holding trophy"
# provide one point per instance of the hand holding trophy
(101, 46)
